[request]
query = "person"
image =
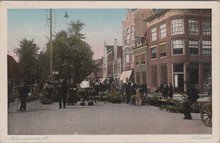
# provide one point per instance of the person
(170, 94)
(72, 93)
(113, 87)
(165, 90)
(62, 93)
(96, 86)
(143, 92)
(127, 91)
(23, 94)
(192, 96)
(121, 87)
(133, 92)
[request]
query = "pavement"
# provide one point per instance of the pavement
(100, 119)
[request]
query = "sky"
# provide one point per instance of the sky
(100, 25)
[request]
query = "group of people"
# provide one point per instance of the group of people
(166, 90)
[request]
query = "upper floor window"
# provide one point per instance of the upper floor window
(177, 46)
(127, 55)
(194, 47)
(153, 34)
(177, 26)
(206, 47)
(163, 51)
(143, 58)
(193, 27)
(163, 30)
(206, 28)
(137, 59)
(153, 52)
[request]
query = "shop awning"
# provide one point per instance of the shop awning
(125, 74)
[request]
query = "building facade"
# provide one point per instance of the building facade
(179, 48)
(117, 63)
(133, 26)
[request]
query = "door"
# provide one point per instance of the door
(178, 82)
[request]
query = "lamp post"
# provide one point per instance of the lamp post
(51, 45)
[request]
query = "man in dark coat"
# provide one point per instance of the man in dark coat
(62, 93)
(192, 94)
(165, 90)
(127, 91)
(170, 94)
(72, 93)
(23, 94)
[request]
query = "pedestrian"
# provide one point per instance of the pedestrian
(23, 94)
(113, 87)
(121, 87)
(143, 92)
(72, 93)
(97, 87)
(133, 92)
(170, 94)
(127, 91)
(62, 93)
(192, 96)
(165, 90)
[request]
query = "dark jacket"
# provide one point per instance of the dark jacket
(23, 92)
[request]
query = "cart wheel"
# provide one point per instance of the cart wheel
(206, 114)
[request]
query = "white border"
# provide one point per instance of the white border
(214, 138)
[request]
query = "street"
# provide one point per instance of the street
(99, 119)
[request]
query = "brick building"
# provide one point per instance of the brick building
(179, 48)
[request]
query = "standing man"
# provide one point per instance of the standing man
(192, 96)
(165, 90)
(72, 93)
(127, 91)
(170, 94)
(23, 94)
(62, 93)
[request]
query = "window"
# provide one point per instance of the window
(143, 58)
(194, 74)
(207, 73)
(206, 28)
(138, 78)
(127, 55)
(206, 47)
(178, 68)
(153, 34)
(193, 27)
(154, 75)
(144, 77)
(137, 59)
(163, 51)
(153, 52)
(177, 46)
(163, 30)
(163, 73)
(193, 47)
(177, 26)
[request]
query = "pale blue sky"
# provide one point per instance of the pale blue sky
(101, 25)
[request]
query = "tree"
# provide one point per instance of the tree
(27, 64)
(72, 56)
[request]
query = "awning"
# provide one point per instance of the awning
(125, 74)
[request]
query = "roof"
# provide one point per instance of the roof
(156, 14)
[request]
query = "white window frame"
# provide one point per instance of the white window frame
(172, 45)
(179, 22)
(193, 27)
(153, 34)
(206, 24)
(163, 30)
(206, 44)
(195, 45)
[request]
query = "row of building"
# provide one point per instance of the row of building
(161, 45)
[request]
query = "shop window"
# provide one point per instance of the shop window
(163, 73)
(194, 74)
(207, 73)
(143, 58)
(137, 59)
(154, 76)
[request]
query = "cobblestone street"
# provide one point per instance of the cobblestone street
(99, 119)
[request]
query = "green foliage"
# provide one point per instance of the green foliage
(27, 64)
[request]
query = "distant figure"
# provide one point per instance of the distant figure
(127, 91)
(170, 94)
(72, 93)
(62, 93)
(165, 90)
(143, 92)
(192, 96)
(121, 87)
(97, 87)
(133, 92)
(23, 94)
(113, 87)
